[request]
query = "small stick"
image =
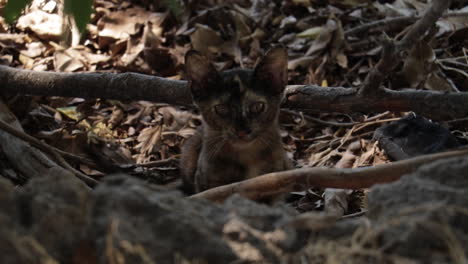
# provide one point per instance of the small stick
(298, 179)
(56, 153)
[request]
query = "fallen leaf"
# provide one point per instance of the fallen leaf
(65, 62)
(46, 26)
(123, 24)
(311, 33)
(148, 139)
(323, 39)
(34, 49)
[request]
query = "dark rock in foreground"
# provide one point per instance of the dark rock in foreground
(56, 219)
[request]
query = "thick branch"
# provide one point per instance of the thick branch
(300, 179)
(122, 86)
(435, 105)
(133, 86)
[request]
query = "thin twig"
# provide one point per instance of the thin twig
(158, 163)
(39, 144)
(353, 215)
(317, 120)
(56, 153)
(337, 124)
(395, 21)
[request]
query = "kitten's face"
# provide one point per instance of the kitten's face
(239, 104)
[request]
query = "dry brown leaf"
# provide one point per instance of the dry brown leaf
(134, 47)
(66, 62)
(132, 119)
(366, 158)
(175, 119)
(187, 132)
(149, 137)
(436, 82)
(34, 49)
(303, 62)
(46, 26)
(206, 40)
(349, 157)
(93, 58)
(323, 39)
(216, 33)
(417, 65)
(452, 24)
(8, 39)
(121, 25)
(116, 117)
(336, 201)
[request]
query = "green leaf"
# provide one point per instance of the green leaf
(81, 10)
(13, 9)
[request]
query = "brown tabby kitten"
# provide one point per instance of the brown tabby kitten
(239, 137)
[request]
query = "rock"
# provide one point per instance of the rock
(42, 222)
(164, 224)
(412, 136)
(57, 218)
(424, 215)
(170, 227)
(54, 210)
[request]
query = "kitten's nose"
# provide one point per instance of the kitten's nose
(243, 133)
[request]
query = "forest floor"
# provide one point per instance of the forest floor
(329, 43)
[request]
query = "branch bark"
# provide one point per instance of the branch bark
(383, 24)
(121, 86)
(134, 86)
(431, 104)
(26, 161)
(300, 179)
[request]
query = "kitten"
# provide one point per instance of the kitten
(239, 138)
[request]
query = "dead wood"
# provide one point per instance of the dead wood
(121, 86)
(301, 179)
(368, 98)
(393, 53)
(432, 104)
(27, 162)
(383, 24)
(134, 86)
(57, 154)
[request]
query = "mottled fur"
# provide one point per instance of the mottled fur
(239, 137)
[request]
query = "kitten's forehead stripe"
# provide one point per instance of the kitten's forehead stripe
(241, 84)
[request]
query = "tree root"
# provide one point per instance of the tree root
(300, 179)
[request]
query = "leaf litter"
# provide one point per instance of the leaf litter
(150, 39)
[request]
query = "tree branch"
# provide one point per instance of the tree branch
(431, 104)
(395, 22)
(300, 179)
(134, 86)
(393, 54)
(121, 86)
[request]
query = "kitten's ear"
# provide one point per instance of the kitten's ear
(271, 73)
(201, 74)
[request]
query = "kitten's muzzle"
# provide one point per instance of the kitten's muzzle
(244, 134)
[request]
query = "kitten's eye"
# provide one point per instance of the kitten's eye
(257, 107)
(221, 109)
